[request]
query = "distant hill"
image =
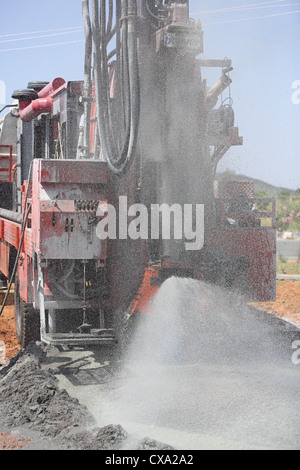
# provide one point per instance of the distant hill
(259, 185)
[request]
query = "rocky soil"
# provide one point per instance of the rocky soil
(33, 405)
(35, 413)
(287, 305)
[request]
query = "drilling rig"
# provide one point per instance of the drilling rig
(142, 132)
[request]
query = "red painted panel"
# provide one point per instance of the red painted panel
(11, 232)
(4, 258)
(66, 194)
(72, 171)
(24, 270)
(28, 243)
(259, 246)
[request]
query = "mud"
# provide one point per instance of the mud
(207, 372)
(33, 405)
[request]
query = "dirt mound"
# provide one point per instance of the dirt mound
(287, 305)
(8, 337)
(30, 396)
(31, 400)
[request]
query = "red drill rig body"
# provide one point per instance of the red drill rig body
(85, 160)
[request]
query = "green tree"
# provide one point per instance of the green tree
(284, 195)
(227, 175)
(297, 194)
(262, 206)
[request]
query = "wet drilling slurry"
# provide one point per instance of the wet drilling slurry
(207, 372)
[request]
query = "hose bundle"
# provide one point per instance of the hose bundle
(118, 122)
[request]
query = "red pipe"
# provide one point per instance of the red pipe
(35, 108)
(23, 105)
(51, 87)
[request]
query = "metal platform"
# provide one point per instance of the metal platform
(95, 338)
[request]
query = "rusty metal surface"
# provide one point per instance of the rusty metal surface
(4, 258)
(259, 247)
(61, 228)
(6, 163)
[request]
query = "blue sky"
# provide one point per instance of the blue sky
(261, 37)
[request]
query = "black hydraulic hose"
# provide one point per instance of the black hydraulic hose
(87, 74)
(88, 40)
(119, 151)
(115, 161)
(123, 92)
(9, 106)
(118, 155)
(100, 92)
(133, 96)
(134, 75)
(149, 11)
(105, 97)
(112, 33)
(119, 79)
(110, 17)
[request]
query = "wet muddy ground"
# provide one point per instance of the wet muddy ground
(209, 374)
